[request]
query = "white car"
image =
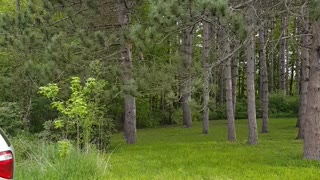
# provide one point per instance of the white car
(6, 157)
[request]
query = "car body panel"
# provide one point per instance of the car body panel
(5, 145)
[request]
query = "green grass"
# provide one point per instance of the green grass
(177, 153)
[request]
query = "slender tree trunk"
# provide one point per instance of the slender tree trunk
(305, 79)
(271, 57)
(282, 59)
(186, 84)
(213, 47)
(291, 79)
(264, 81)
(239, 77)
(126, 63)
(18, 5)
(206, 78)
(243, 83)
(221, 84)
(221, 53)
(234, 76)
(250, 52)
(312, 120)
(287, 56)
(298, 56)
(229, 100)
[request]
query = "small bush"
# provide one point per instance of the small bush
(281, 105)
(11, 118)
(147, 117)
(177, 116)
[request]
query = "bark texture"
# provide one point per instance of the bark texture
(234, 76)
(298, 54)
(271, 56)
(229, 101)
(126, 64)
(186, 83)
(312, 121)
(250, 52)
(206, 78)
(305, 54)
(264, 81)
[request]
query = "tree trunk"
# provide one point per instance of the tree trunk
(186, 84)
(271, 57)
(213, 47)
(304, 79)
(229, 100)
(221, 84)
(291, 78)
(250, 52)
(221, 53)
(18, 5)
(234, 76)
(298, 56)
(287, 56)
(282, 54)
(126, 64)
(312, 120)
(264, 81)
(244, 78)
(206, 78)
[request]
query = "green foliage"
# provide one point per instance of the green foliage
(146, 116)
(177, 116)
(64, 148)
(314, 9)
(281, 105)
(81, 114)
(7, 6)
(11, 118)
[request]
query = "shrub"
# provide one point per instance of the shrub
(281, 105)
(147, 117)
(11, 118)
(82, 117)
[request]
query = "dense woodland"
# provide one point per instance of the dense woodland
(80, 70)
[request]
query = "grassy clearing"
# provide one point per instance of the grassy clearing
(178, 153)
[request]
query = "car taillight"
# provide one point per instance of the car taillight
(6, 165)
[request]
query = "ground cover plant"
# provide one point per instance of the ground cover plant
(173, 152)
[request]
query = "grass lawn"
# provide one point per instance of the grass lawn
(178, 153)
(174, 153)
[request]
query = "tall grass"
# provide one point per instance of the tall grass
(41, 160)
